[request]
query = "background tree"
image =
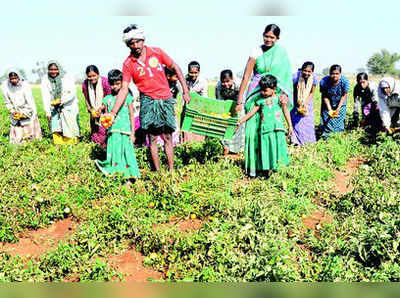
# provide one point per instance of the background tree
(361, 69)
(40, 70)
(325, 71)
(239, 74)
(383, 63)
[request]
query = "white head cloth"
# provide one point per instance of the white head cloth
(21, 78)
(133, 34)
(391, 83)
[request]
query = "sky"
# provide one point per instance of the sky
(218, 34)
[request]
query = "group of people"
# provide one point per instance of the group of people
(274, 96)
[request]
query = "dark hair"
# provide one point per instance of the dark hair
(169, 72)
(130, 27)
(362, 76)
(226, 74)
(335, 67)
(308, 64)
(194, 64)
(92, 68)
(274, 28)
(114, 75)
(269, 81)
(52, 64)
(13, 74)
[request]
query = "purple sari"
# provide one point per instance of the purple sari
(303, 126)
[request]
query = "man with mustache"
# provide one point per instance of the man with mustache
(145, 67)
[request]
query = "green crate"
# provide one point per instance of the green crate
(197, 120)
(207, 105)
(190, 112)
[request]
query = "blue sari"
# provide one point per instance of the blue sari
(334, 94)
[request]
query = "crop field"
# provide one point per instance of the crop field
(332, 215)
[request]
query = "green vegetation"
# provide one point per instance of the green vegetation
(252, 228)
(383, 62)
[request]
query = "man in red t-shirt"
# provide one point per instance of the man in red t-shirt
(144, 66)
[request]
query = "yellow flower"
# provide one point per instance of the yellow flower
(56, 102)
(333, 113)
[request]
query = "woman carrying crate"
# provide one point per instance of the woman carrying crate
(269, 58)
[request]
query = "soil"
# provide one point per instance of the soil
(189, 225)
(37, 242)
(342, 180)
(234, 156)
(130, 264)
(183, 226)
(316, 219)
(306, 249)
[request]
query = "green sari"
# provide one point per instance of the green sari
(275, 62)
(121, 156)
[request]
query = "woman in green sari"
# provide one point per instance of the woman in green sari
(268, 58)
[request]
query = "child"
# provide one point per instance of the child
(273, 148)
(121, 156)
(172, 81)
(228, 89)
(196, 83)
(173, 87)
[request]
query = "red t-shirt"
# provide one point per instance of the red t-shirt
(149, 77)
